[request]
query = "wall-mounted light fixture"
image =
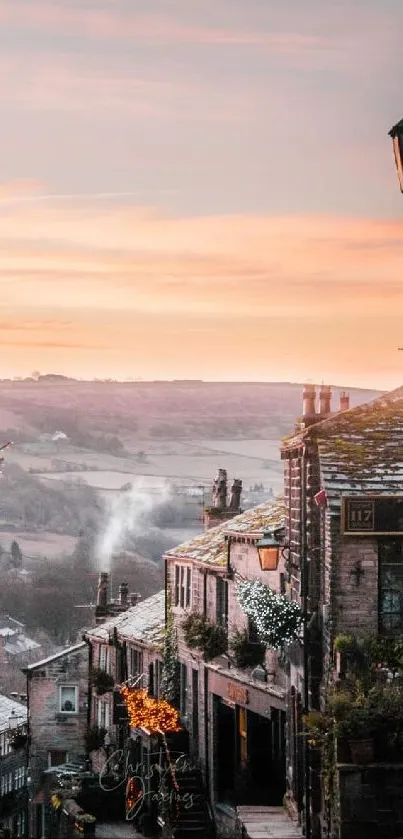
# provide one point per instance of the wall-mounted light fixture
(270, 549)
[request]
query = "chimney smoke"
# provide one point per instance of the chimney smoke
(325, 400)
(344, 401)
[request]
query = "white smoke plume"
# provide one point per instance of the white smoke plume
(129, 513)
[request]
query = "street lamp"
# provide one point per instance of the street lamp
(269, 551)
(397, 136)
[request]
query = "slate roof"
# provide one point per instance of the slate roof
(44, 661)
(9, 708)
(360, 450)
(210, 548)
(17, 644)
(144, 622)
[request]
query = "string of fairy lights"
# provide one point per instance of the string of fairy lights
(277, 619)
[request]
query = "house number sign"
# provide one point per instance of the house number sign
(378, 515)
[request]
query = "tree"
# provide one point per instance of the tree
(16, 555)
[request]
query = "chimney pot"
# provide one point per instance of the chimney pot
(308, 402)
(344, 401)
(325, 399)
(124, 595)
(102, 595)
(220, 490)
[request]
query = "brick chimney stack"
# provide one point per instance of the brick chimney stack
(309, 404)
(325, 401)
(344, 401)
(220, 510)
(123, 595)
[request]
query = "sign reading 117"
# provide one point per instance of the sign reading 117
(360, 515)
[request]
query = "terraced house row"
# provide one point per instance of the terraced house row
(279, 637)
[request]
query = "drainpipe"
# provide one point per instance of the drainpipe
(304, 593)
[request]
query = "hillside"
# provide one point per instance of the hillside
(90, 411)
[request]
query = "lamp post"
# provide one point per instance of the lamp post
(396, 133)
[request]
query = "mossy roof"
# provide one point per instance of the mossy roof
(360, 450)
(210, 547)
(144, 622)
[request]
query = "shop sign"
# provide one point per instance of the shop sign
(238, 693)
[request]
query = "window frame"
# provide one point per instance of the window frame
(383, 614)
(182, 585)
(221, 601)
(71, 687)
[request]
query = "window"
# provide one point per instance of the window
(5, 745)
(135, 662)
(222, 602)
(390, 555)
(68, 699)
(102, 657)
(182, 586)
(56, 758)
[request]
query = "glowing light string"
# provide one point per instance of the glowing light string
(278, 620)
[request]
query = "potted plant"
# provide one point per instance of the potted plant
(202, 634)
(357, 727)
(245, 652)
(102, 681)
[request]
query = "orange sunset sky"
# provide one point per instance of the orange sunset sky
(201, 189)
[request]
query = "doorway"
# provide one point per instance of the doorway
(225, 751)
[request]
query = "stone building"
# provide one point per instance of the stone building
(57, 691)
(343, 496)
(126, 647)
(232, 706)
(13, 762)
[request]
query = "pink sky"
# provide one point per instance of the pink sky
(201, 190)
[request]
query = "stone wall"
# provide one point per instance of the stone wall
(357, 598)
(50, 730)
(371, 801)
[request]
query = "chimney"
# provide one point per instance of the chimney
(124, 595)
(101, 608)
(325, 399)
(220, 490)
(235, 499)
(308, 403)
(219, 510)
(134, 598)
(344, 401)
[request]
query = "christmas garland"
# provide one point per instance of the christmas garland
(278, 620)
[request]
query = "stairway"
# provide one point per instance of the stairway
(193, 818)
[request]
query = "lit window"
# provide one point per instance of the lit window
(68, 699)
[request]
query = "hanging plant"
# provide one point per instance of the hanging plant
(102, 681)
(202, 634)
(245, 652)
(170, 665)
(278, 620)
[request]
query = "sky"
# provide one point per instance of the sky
(201, 189)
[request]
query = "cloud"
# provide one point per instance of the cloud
(141, 260)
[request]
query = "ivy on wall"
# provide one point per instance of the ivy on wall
(170, 665)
